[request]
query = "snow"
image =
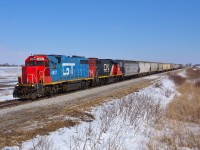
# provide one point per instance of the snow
(119, 124)
(163, 91)
(8, 79)
(183, 74)
(6, 95)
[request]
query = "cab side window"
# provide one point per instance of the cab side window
(27, 63)
(47, 64)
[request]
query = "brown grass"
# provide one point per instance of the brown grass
(187, 106)
(177, 140)
(197, 84)
(193, 73)
(22, 134)
(181, 115)
(174, 135)
(177, 79)
(15, 137)
(76, 113)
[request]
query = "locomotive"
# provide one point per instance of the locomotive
(46, 75)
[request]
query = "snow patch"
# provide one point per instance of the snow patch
(8, 79)
(163, 91)
(183, 74)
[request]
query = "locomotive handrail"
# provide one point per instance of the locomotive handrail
(44, 73)
(42, 76)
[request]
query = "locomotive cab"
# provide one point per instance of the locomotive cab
(36, 70)
(35, 73)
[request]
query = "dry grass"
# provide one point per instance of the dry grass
(187, 106)
(197, 84)
(174, 136)
(193, 73)
(177, 79)
(182, 118)
(76, 113)
(17, 136)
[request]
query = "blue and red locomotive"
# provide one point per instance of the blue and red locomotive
(45, 75)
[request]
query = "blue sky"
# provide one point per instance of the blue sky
(150, 30)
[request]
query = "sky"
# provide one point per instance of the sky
(149, 30)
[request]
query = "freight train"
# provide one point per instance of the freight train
(46, 75)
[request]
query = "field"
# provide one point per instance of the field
(162, 113)
(8, 79)
(180, 126)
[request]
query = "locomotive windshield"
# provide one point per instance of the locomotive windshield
(33, 63)
(40, 63)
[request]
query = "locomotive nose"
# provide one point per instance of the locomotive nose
(29, 74)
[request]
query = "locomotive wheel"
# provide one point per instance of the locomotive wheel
(33, 96)
(116, 79)
(84, 85)
(54, 90)
(48, 91)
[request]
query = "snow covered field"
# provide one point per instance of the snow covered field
(119, 124)
(8, 79)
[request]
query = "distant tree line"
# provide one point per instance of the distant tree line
(197, 65)
(8, 65)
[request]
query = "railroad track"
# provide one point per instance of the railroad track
(11, 103)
